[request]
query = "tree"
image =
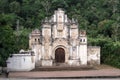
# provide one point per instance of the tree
(15, 7)
(4, 6)
(9, 19)
(47, 5)
(116, 29)
(6, 43)
(105, 27)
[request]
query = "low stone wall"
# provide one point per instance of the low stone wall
(93, 55)
(21, 62)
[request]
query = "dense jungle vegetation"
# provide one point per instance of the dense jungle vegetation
(100, 18)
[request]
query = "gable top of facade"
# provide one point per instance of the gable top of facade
(59, 16)
(60, 10)
(60, 13)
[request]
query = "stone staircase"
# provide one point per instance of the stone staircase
(60, 64)
(38, 64)
(63, 67)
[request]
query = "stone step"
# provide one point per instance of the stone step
(38, 64)
(60, 64)
(63, 68)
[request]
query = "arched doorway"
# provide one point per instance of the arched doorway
(59, 55)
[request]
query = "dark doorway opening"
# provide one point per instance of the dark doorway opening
(59, 55)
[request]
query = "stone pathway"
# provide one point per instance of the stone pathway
(61, 79)
(102, 71)
(112, 73)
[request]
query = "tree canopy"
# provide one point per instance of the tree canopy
(100, 18)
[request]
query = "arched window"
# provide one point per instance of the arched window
(80, 40)
(83, 40)
(35, 39)
(39, 41)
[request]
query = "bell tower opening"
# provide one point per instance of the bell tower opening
(59, 55)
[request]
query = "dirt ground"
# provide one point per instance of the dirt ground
(101, 70)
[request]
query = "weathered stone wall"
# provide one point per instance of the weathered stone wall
(61, 32)
(93, 55)
(24, 61)
(37, 50)
(34, 38)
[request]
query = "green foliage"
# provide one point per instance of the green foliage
(6, 43)
(9, 19)
(14, 7)
(4, 6)
(110, 51)
(9, 42)
(22, 39)
(105, 27)
(100, 18)
(111, 54)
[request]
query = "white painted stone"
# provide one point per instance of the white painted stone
(47, 62)
(21, 62)
(83, 54)
(74, 62)
(94, 55)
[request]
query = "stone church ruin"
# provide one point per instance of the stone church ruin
(58, 42)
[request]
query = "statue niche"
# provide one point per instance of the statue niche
(60, 23)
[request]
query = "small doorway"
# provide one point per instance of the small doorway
(59, 55)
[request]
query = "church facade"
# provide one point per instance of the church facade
(60, 41)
